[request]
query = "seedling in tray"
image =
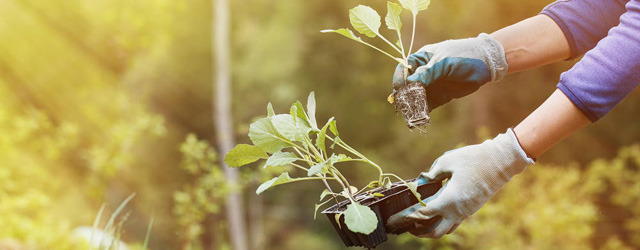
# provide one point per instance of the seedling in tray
(410, 99)
(286, 139)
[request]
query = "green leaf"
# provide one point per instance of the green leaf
(311, 110)
(399, 44)
(264, 135)
(281, 159)
(244, 154)
(393, 16)
(294, 113)
(337, 217)
(270, 111)
(318, 168)
(333, 127)
(320, 140)
(415, 5)
(300, 111)
(413, 186)
(315, 211)
(282, 179)
(342, 158)
(347, 193)
(303, 124)
(333, 159)
(335, 141)
(325, 193)
(345, 32)
(377, 195)
(293, 131)
(286, 127)
(365, 20)
(360, 219)
(374, 184)
(387, 182)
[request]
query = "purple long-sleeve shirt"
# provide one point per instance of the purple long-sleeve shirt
(609, 32)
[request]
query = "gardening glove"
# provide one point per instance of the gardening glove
(475, 174)
(454, 68)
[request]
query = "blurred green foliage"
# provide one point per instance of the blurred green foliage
(97, 97)
(201, 196)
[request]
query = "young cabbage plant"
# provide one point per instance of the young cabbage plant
(367, 21)
(295, 139)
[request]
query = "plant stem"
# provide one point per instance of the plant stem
(337, 179)
(391, 44)
(353, 151)
(300, 167)
(316, 153)
(299, 153)
(404, 56)
(344, 179)
(383, 52)
(304, 158)
(326, 184)
(413, 33)
(297, 146)
(393, 175)
(311, 178)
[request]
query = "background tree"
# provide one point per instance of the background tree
(224, 121)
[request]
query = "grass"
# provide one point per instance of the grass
(112, 231)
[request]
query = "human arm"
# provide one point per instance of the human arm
(477, 172)
(550, 123)
(456, 68)
(564, 30)
(585, 93)
(523, 47)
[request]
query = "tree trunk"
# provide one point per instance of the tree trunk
(256, 212)
(222, 116)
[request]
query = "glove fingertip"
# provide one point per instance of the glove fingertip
(413, 78)
(398, 221)
(432, 175)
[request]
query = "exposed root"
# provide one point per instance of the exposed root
(411, 101)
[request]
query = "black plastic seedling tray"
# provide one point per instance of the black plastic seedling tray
(395, 199)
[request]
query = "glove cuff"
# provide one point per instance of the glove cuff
(515, 159)
(496, 58)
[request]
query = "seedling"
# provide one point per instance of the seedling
(366, 21)
(286, 139)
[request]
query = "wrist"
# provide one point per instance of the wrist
(519, 159)
(515, 133)
(495, 56)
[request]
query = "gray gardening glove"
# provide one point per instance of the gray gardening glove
(475, 174)
(454, 68)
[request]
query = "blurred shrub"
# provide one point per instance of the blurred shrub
(616, 184)
(203, 196)
(28, 187)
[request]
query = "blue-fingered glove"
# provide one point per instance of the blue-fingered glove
(454, 68)
(475, 174)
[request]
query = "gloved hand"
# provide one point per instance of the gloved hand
(475, 174)
(454, 68)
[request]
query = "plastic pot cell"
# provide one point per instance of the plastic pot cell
(396, 198)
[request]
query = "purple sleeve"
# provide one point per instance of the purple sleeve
(610, 71)
(585, 22)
